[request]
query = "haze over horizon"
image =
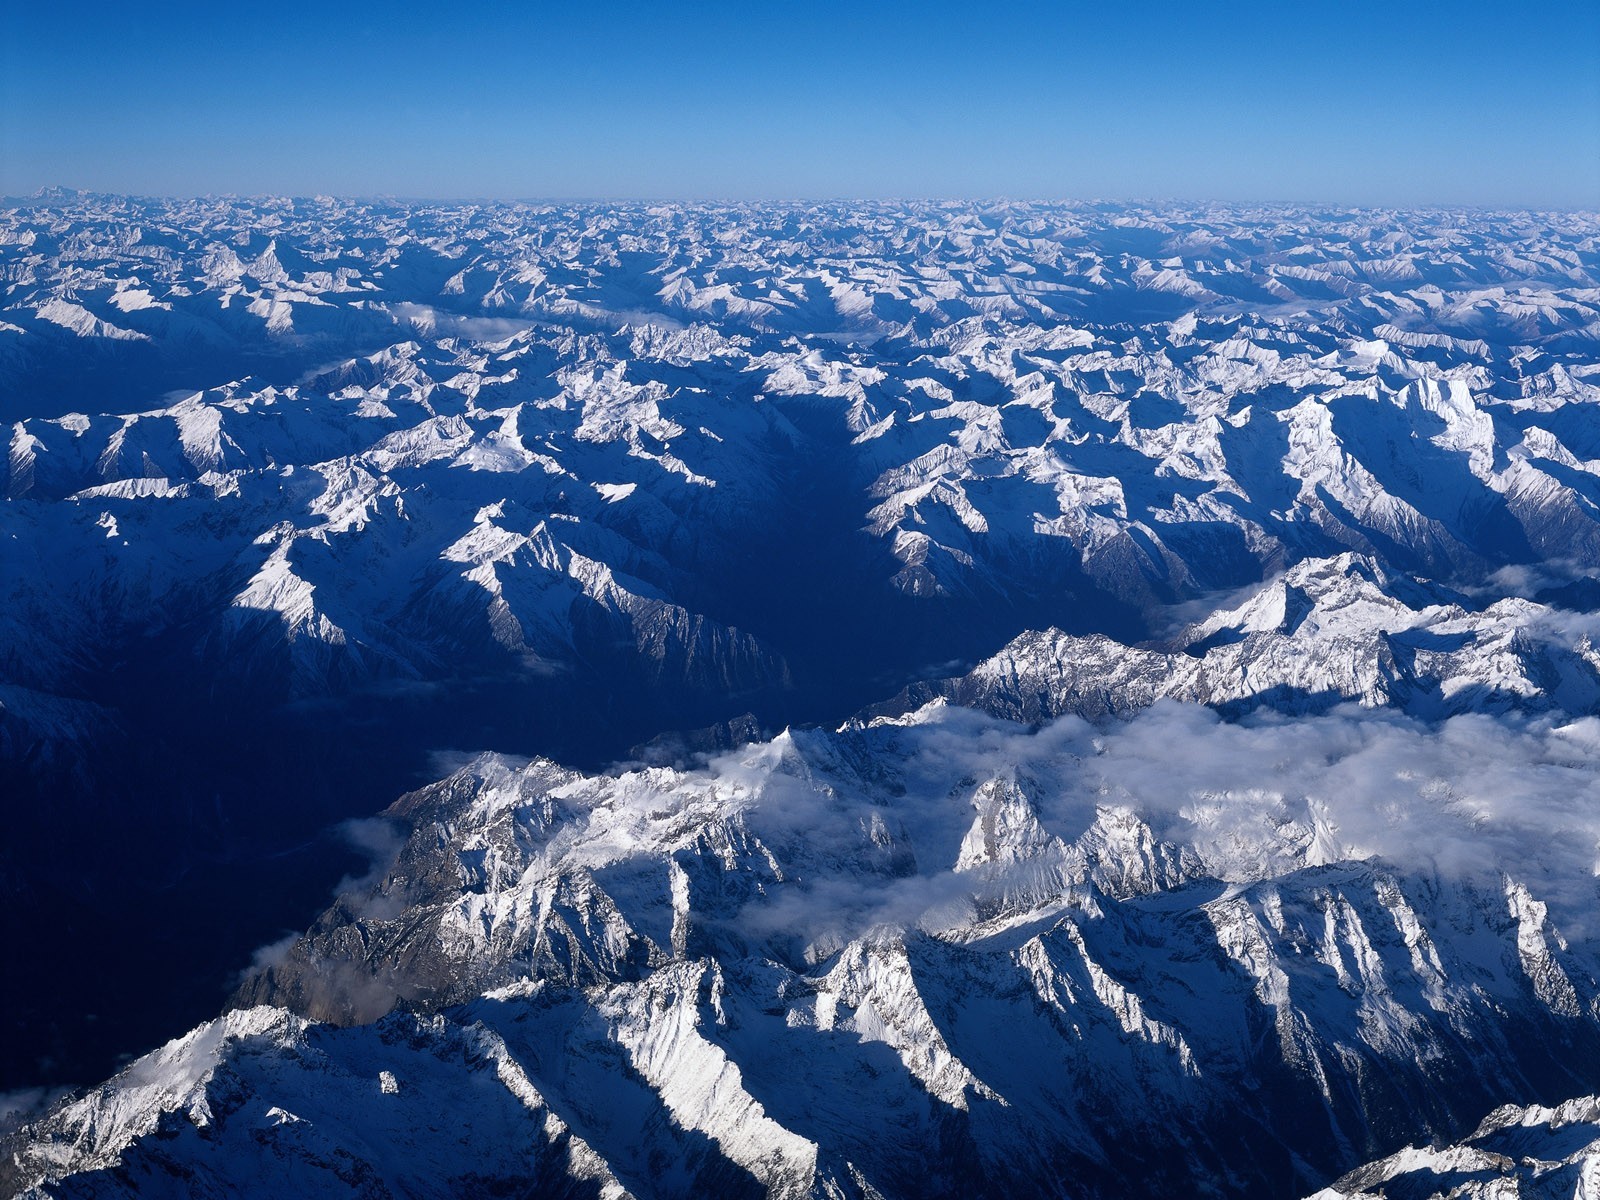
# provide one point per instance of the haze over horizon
(1476, 104)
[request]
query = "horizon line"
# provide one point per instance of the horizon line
(17, 201)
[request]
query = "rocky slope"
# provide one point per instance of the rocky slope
(613, 440)
(1326, 632)
(1540, 1153)
(940, 955)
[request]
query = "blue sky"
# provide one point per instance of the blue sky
(1353, 102)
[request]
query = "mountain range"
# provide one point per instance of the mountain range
(968, 690)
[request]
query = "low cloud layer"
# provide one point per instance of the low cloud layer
(1474, 796)
(381, 841)
(799, 844)
(26, 1104)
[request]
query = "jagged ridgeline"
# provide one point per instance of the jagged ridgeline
(939, 955)
(308, 499)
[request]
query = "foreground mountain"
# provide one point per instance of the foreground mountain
(941, 955)
(1538, 1153)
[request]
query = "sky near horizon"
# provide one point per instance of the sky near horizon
(1355, 103)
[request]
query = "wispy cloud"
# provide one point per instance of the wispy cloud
(1474, 796)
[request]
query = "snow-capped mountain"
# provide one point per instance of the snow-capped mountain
(886, 437)
(1539, 1152)
(1185, 619)
(940, 955)
(1326, 632)
(584, 483)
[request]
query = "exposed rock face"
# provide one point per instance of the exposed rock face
(1326, 632)
(500, 454)
(1541, 1153)
(940, 955)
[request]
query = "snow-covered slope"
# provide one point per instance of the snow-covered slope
(941, 955)
(344, 1117)
(1534, 1153)
(1327, 631)
(768, 452)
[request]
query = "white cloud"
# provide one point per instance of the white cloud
(1474, 796)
